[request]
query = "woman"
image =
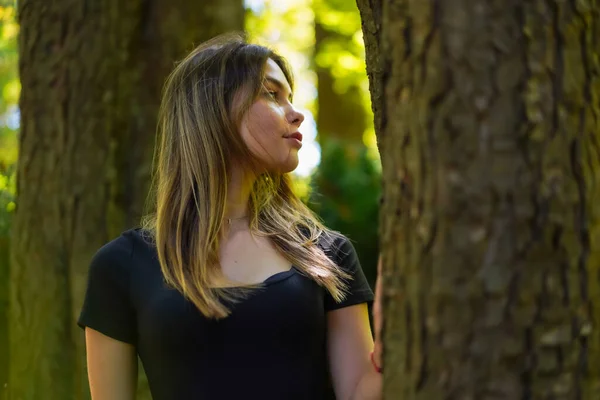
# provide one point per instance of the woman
(232, 289)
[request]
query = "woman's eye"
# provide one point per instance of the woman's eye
(272, 94)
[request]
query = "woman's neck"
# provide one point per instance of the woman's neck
(238, 193)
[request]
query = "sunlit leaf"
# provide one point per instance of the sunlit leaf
(11, 91)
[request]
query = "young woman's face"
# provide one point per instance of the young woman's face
(270, 127)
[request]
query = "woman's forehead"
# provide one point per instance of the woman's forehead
(274, 72)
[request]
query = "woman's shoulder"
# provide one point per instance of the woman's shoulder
(332, 241)
(121, 248)
(117, 259)
(340, 249)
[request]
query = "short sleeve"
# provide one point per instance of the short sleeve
(359, 291)
(107, 306)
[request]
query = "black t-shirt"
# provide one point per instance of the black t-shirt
(271, 346)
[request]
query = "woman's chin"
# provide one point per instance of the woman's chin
(292, 166)
(286, 168)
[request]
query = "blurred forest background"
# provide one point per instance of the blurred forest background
(340, 171)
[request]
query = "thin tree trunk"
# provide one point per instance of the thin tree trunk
(91, 75)
(488, 121)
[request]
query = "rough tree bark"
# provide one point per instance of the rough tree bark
(91, 75)
(488, 123)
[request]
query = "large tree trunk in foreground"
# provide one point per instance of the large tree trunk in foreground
(488, 121)
(91, 74)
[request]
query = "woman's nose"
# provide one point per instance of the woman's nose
(295, 117)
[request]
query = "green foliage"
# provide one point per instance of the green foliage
(9, 92)
(288, 28)
(343, 50)
(346, 187)
(7, 198)
(337, 15)
(346, 193)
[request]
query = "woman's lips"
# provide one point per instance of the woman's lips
(296, 138)
(295, 135)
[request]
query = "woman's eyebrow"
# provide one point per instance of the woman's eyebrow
(279, 86)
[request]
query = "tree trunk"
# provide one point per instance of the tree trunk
(487, 115)
(91, 75)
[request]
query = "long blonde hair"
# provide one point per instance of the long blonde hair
(198, 141)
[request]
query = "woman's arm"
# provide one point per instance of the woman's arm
(112, 367)
(349, 346)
